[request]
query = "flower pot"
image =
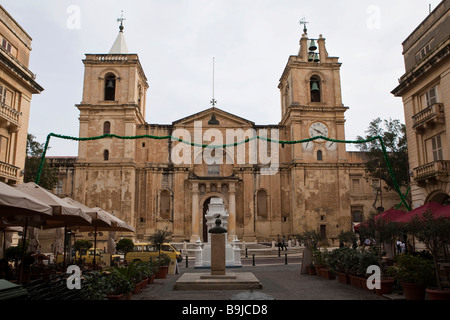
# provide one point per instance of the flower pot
(116, 297)
(151, 279)
(311, 270)
(355, 281)
(162, 272)
(413, 291)
(144, 283)
(385, 287)
(327, 274)
(343, 278)
(137, 288)
(437, 294)
(317, 268)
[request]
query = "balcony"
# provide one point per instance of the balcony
(432, 172)
(428, 118)
(8, 172)
(9, 117)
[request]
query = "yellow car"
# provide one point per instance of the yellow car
(88, 256)
(144, 251)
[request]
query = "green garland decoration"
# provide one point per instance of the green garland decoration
(383, 147)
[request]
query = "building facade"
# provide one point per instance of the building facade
(268, 188)
(17, 85)
(425, 91)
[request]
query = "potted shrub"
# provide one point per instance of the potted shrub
(118, 286)
(383, 233)
(339, 263)
(310, 240)
(125, 245)
(415, 273)
(327, 271)
(435, 234)
(163, 266)
(367, 258)
(318, 260)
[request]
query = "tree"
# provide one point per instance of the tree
(49, 176)
(125, 246)
(393, 134)
(82, 246)
(160, 237)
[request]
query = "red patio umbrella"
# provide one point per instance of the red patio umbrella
(391, 215)
(433, 207)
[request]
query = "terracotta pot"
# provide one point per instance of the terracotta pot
(151, 279)
(413, 291)
(327, 274)
(162, 272)
(317, 268)
(343, 278)
(137, 288)
(437, 294)
(385, 287)
(311, 271)
(355, 281)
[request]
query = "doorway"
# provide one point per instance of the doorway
(205, 228)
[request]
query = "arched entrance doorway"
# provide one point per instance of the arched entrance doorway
(205, 210)
(439, 197)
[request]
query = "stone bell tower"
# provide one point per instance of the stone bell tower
(114, 96)
(311, 102)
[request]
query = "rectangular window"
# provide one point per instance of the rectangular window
(356, 185)
(436, 146)
(431, 97)
(6, 45)
(213, 170)
(423, 52)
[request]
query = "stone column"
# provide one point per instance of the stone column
(232, 212)
(195, 235)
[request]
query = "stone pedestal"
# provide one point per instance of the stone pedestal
(218, 266)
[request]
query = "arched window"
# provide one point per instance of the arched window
(106, 155)
(261, 203)
(319, 155)
(164, 205)
(110, 87)
(315, 89)
(107, 127)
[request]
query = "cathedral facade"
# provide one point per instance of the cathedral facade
(268, 188)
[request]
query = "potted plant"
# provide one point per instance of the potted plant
(435, 234)
(97, 285)
(163, 266)
(367, 258)
(383, 233)
(82, 246)
(327, 271)
(318, 260)
(310, 240)
(415, 273)
(125, 245)
(339, 261)
(118, 286)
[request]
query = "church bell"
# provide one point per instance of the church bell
(110, 84)
(315, 87)
(312, 46)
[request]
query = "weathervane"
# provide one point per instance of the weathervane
(121, 20)
(304, 22)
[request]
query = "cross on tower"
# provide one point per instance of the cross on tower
(121, 20)
(304, 23)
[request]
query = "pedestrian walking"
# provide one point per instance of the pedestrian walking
(279, 242)
(283, 243)
(399, 246)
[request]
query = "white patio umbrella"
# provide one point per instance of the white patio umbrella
(64, 214)
(18, 208)
(100, 221)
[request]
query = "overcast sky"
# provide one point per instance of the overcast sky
(250, 41)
